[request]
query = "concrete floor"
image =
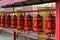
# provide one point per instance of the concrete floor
(8, 36)
(5, 36)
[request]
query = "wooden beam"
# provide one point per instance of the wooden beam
(32, 11)
(27, 3)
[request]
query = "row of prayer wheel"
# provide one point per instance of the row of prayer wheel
(28, 23)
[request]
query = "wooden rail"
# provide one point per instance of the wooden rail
(31, 34)
(32, 11)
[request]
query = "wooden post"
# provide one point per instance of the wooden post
(14, 36)
(57, 20)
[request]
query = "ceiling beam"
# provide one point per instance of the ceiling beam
(29, 2)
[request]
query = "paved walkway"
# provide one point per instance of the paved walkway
(6, 37)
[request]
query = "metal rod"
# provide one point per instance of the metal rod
(32, 11)
(15, 35)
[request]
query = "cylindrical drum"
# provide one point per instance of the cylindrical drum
(50, 24)
(20, 23)
(38, 23)
(8, 21)
(28, 23)
(3, 20)
(14, 22)
(0, 20)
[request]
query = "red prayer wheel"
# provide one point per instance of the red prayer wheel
(3, 20)
(20, 24)
(0, 20)
(14, 22)
(8, 21)
(38, 23)
(28, 23)
(50, 24)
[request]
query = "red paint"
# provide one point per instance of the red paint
(3, 21)
(14, 21)
(28, 23)
(0, 20)
(50, 24)
(38, 23)
(20, 24)
(57, 19)
(8, 21)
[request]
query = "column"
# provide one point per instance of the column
(57, 19)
